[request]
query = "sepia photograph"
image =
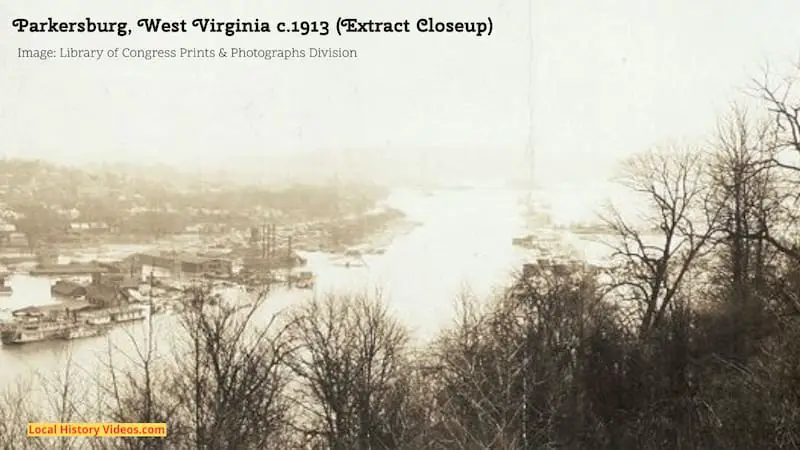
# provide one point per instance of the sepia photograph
(508, 225)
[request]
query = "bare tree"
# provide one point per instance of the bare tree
(743, 187)
(783, 104)
(15, 411)
(744, 194)
(230, 382)
(476, 372)
(653, 258)
(510, 375)
(136, 392)
(352, 365)
(66, 394)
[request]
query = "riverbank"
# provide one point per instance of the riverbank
(391, 231)
(439, 241)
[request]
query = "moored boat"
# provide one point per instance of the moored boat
(129, 313)
(303, 280)
(117, 314)
(23, 333)
(54, 322)
(97, 319)
(84, 331)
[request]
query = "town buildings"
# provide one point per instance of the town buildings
(186, 264)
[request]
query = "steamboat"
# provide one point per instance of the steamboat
(66, 322)
(23, 333)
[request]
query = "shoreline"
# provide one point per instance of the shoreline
(389, 233)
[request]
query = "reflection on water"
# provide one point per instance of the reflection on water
(463, 241)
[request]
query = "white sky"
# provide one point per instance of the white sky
(611, 77)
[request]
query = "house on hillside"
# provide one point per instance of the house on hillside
(5, 231)
(8, 214)
(88, 227)
(6, 227)
(16, 239)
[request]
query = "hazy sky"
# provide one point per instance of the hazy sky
(610, 78)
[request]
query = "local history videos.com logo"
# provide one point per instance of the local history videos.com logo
(97, 430)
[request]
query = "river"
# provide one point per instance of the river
(461, 244)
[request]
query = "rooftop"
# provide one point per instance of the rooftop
(182, 257)
(58, 307)
(66, 287)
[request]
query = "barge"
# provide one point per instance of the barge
(119, 314)
(66, 322)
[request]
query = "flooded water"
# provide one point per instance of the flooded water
(461, 243)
